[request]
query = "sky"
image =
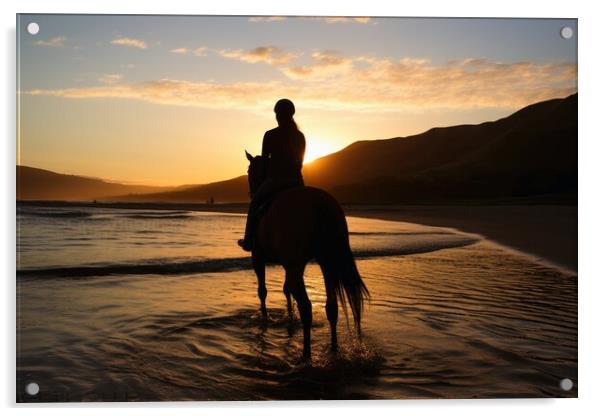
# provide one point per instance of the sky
(172, 100)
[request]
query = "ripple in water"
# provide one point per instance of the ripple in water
(459, 322)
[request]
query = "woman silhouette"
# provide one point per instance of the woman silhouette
(282, 151)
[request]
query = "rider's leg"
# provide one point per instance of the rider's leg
(267, 189)
(262, 194)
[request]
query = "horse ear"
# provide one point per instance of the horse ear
(249, 157)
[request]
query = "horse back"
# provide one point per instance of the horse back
(290, 230)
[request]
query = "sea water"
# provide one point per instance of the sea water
(146, 304)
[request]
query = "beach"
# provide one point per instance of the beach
(155, 304)
(548, 232)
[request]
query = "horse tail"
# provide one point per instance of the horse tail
(336, 259)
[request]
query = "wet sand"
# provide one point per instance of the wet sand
(546, 231)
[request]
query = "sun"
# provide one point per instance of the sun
(317, 147)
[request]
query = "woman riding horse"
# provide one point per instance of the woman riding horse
(282, 151)
(302, 223)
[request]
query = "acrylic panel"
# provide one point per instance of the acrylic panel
(295, 208)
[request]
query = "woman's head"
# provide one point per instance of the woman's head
(284, 109)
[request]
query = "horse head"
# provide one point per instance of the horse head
(255, 172)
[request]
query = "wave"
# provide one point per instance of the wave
(158, 216)
(56, 214)
(387, 233)
(198, 266)
(88, 215)
(220, 265)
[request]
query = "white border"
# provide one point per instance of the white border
(590, 230)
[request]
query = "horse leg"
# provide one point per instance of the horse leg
(332, 311)
(295, 283)
(289, 303)
(262, 291)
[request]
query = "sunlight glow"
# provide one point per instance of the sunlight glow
(318, 147)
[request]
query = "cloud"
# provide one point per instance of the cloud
(256, 19)
(326, 64)
(177, 92)
(466, 83)
(268, 54)
(56, 42)
(326, 19)
(180, 51)
(185, 51)
(136, 43)
(110, 78)
(413, 82)
(334, 19)
(361, 83)
(200, 51)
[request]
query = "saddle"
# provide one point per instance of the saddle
(265, 206)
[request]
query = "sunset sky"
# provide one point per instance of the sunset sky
(171, 100)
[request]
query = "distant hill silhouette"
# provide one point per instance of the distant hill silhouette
(40, 184)
(531, 152)
(231, 190)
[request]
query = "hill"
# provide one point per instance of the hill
(40, 184)
(231, 190)
(531, 152)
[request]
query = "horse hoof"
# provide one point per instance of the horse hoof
(303, 361)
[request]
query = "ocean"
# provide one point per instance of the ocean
(146, 304)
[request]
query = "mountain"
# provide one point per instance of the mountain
(40, 184)
(529, 153)
(231, 190)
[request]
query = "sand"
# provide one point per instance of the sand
(546, 231)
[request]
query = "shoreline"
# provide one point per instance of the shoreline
(548, 232)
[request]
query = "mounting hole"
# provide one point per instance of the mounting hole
(33, 28)
(566, 384)
(32, 389)
(566, 32)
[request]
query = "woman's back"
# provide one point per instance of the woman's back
(284, 148)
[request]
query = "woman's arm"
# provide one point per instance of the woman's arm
(302, 149)
(265, 147)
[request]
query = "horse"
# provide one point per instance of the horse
(301, 224)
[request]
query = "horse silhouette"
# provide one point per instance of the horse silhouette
(301, 224)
